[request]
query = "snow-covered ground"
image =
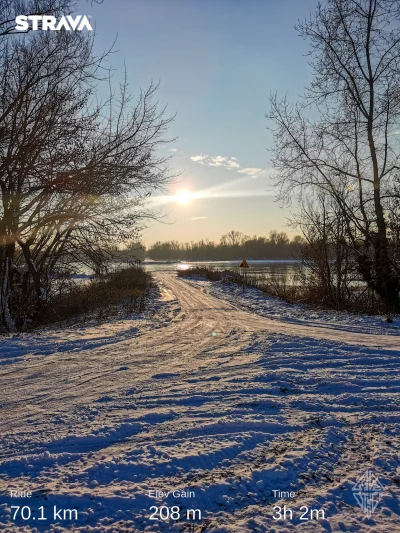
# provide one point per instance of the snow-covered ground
(218, 396)
(255, 301)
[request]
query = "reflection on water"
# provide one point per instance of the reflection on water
(184, 266)
(257, 268)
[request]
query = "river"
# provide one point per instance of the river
(257, 268)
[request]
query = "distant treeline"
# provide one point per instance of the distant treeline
(233, 245)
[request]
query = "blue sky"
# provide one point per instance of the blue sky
(217, 62)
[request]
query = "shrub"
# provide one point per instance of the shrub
(125, 291)
(306, 288)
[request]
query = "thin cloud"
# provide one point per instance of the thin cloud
(228, 162)
(173, 150)
(217, 161)
(199, 158)
(224, 161)
(198, 218)
(250, 171)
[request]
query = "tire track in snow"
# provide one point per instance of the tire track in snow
(256, 406)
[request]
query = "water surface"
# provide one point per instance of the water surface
(257, 268)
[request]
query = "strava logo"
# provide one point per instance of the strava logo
(48, 22)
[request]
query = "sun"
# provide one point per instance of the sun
(183, 197)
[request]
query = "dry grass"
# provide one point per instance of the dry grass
(125, 291)
(305, 289)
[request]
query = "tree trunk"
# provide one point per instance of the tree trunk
(6, 284)
(41, 293)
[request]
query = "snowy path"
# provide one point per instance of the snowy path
(220, 401)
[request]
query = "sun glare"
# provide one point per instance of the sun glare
(184, 197)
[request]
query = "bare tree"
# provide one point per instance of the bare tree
(232, 238)
(278, 238)
(350, 151)
(325, 252)
(73, 173)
